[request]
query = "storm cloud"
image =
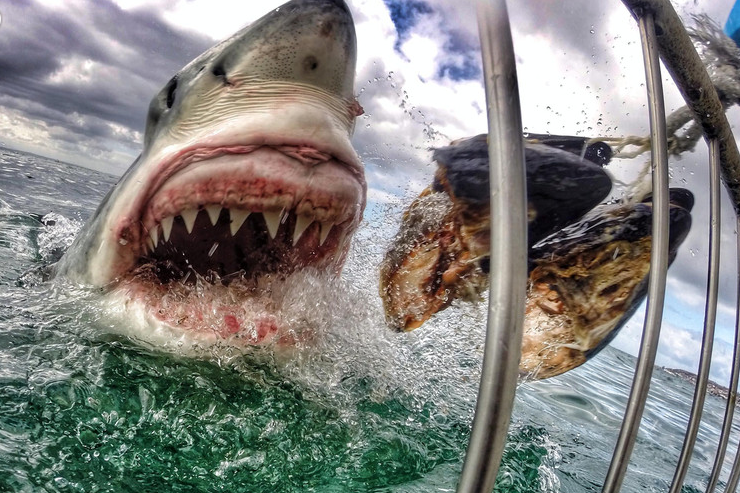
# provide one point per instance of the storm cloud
(87, 71)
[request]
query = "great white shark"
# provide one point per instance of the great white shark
(247, 175)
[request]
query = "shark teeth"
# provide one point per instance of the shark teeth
(189, 216)
(301, 225)
(325, 229)
(272, 220)
(238, 217)
(213, 212)
(167, 227)
(154, 236)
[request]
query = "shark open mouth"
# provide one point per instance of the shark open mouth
(249, 211)
(221, 229)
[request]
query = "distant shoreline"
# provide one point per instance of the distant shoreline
(713, 388)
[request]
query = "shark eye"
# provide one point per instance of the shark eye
(171, 88)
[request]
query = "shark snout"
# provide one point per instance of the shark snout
(304, 41)
(301, 47)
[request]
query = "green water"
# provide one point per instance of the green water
(81, 415)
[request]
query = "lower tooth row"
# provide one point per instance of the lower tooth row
(237, 219)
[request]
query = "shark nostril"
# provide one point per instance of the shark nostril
(310, 63)
(219, 71)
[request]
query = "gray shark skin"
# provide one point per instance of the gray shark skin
(247, 168)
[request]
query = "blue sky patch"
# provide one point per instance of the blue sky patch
(405, 14)
(466, 70)
(465, 62)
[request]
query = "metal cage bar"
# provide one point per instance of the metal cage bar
(734, 474)
(508, 252)
(683, 63)
(687, 70)
(710, 317)
(663, 35)
(658, 261)
(732, 394)
(732, 397)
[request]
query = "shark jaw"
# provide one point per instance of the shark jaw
(231, 225)
(272, 203)
(247, 177)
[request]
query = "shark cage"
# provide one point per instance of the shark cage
(663, 38)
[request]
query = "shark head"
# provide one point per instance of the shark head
(247, 169)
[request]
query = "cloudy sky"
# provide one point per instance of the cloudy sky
(76, 78)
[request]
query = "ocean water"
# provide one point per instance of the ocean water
(88, 405)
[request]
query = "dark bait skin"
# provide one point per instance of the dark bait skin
(588, 263)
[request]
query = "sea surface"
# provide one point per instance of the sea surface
(86, 405)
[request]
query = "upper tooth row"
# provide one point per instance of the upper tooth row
(237, 218)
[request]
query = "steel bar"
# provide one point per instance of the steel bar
(508, 252)
(710, 318)
(685, 66)
(734, 473)
(724, 437)
(658, 261)
(732, 397)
